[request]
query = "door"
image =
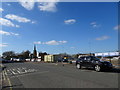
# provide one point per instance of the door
(84, 63)
(88, 61)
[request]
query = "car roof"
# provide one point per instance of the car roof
(87, 56)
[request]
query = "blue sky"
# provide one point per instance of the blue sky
(60, 27)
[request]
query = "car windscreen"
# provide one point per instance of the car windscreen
(81, 58)
(94, 58)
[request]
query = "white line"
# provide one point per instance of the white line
(29, 74)
(5, 73)
(9, 71)
(13, 72)
(8, 80)
(13, 69)
(31, 70)
(20, 71)
(4, 76)
(18, 68)
(23, 68)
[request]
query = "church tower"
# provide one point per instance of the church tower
(34, 52)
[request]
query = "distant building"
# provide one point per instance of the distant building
(52, 58)
(35, 52)
(89, 54)
(107, 54)
(37, 56)
(33, 56)
(41, 55)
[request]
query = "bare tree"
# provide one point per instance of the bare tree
(8, 54)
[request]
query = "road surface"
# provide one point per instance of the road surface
(51, 75)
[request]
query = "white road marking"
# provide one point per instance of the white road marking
(8, 72)
(13, 71)
(24, 68)
(20, 71)
(20, 75)
(3, 76)
(9, 82)
(31, 70)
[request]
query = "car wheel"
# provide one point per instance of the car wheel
(97, 68)
(78, 66)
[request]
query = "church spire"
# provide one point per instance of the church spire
(34, 47)
(34, 52)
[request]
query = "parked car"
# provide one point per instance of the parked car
(18, 59)
(93, 62)
(65, 60)
(6, 61)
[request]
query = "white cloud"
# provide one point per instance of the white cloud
(8, 33)
(16, 34)
(17, 18)
(3, 44)
(27, 4)
(8, 4)
(33, 22)
(43, 5)
(6, 22)
(52, 42)
(49, 6)
(117, 27)
(39, 42)
(70, 21)
(1, 10)
(17, 26)
(94, 24)
(102, 38)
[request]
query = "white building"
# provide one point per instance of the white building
(107, 54)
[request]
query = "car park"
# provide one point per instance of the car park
(93, 62)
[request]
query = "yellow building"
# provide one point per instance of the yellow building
(51, 58)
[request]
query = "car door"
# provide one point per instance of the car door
(88, 61)
(85, 62)
(81, 61)
(93, 61)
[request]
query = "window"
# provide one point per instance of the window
(94, 58)
(88, 58)
(82, 58)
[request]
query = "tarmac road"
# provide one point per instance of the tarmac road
(51, 75)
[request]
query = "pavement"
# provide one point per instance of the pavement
(52, 75)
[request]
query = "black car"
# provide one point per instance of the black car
(6, 61)
(93, 62)
(65, 60)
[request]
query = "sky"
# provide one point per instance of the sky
(59, 27)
